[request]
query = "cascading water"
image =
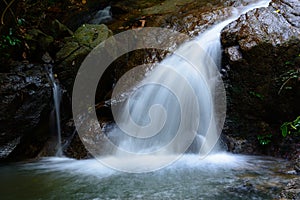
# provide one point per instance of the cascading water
(139, 133)
(178, 107)
(102, 16)
(57, 100)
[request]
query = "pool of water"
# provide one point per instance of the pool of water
(219, 176)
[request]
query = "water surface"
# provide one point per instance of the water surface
(219, 176)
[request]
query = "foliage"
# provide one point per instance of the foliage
(258, 95)
(287, 128)
(264, 139)
(8, 41)
(291, 74)
(293, 127)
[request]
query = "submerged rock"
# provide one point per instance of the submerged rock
(261, 49)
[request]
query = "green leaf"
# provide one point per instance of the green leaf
(264, 139)
(288, 63)
(284, 129)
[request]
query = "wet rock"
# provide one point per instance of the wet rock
(263, 25)
(260, 49)
(292, 190)
(276, 25)
(240, 145)
(246, 188)
(197, 21)
(25, 104)
(233, 53)
(76, 149)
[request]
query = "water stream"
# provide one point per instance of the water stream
(57, 100)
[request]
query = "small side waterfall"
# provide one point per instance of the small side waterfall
(102, 16)
(57, 100)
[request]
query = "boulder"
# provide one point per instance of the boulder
(261, 50)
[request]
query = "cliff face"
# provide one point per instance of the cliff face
(261, 59)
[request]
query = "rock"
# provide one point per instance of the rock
(292, 190)
(260, 49)
(245, 188)
(234, 53)
(240, 145)
(25, 105)
(76, 149)
(258, 26)
(76, 49)
(276, 25)
(91, 35)
(297, 165)
(194, 22)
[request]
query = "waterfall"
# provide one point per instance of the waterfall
(102, 16)
(153, 114)
(178, 107)
(57, 100)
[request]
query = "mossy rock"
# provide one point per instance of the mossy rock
(91, 35)
(76, 48)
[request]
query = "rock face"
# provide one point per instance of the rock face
(261, 51)
(25, 104)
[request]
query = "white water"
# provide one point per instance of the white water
(93, 168)
(219, 176)
(181, 103)
(56, 99)
(102, 16)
